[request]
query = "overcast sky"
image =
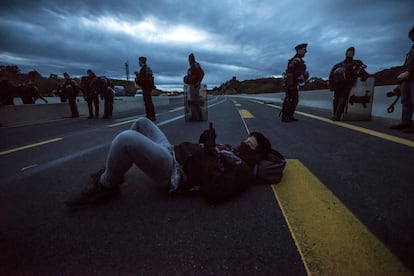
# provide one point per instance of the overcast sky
(246, 39)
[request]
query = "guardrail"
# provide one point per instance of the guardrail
(14, 115)
(322, 99)
(21, 114)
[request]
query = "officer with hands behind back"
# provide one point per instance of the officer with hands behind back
(295, 75)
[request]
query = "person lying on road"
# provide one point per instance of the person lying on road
(217, 171)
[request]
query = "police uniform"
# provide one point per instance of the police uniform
(108, 94)
(194, 77)
(406, 79)
(145, 79)
(70, 89)
(295, 75)
(341, 79)
(91, 94)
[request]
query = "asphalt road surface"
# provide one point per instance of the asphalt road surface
(362, 169)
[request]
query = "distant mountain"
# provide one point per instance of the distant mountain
(387, 76)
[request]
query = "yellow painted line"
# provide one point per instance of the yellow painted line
(245, 114)
(122, 123)
(256, 101)
(374, 133)
(29, 146)
(330, 239)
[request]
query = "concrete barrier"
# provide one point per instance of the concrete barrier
(322, 99)
(19, 114)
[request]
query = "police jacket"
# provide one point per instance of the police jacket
(409, 63)
(295, 72)
(345, 73)
(86, 86)
(70, 87)
(145, 78)
(195, 74)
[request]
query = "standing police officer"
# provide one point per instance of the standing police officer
(194, 77)
(295, 75)
(145, 80)
(406, 80)
(341, 79)
(90, 93)
(108, 95)
(71, 90)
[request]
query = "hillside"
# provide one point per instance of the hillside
(272, 85)
(233, 86)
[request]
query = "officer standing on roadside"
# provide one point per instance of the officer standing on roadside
(295, 75)
(91, 93)
(145, 79)
(194, 77)
(108, 96)
(71, 89)
(342, 77)
(406, 87)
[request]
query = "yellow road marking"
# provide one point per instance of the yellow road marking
(245, 114)
(330, 239)
(122, 123)
(29, 146)
(374, 133)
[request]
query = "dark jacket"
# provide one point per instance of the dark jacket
(145, 78)
(345, 73)
(195, 74)
(217, 171)
(70, 88)
(6, 92)
(296, 69)
(86, 86)
(409, 63)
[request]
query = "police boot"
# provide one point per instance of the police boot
(110, 109)
(286, 111)
(335, 108)
(340, 109)
(292, 110)
(90, 111)
(106, 111)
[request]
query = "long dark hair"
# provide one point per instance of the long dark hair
(264, 146)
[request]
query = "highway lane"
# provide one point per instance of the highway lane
(147, 231)
(352, 162)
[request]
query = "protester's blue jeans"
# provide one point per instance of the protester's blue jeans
(144, 145)
(407, 100)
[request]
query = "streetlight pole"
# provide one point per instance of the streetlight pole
(127, 70)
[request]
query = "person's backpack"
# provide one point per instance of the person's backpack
(340, 75)
(270, 170)
(101, 84)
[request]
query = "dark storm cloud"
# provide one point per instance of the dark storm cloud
(247, 39)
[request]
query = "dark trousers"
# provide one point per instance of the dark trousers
(341, 95)
(407, 100)
(289, 103)
(73, 106)
(109, 106)
(93, 101)
(195, 103)
(149, 106)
